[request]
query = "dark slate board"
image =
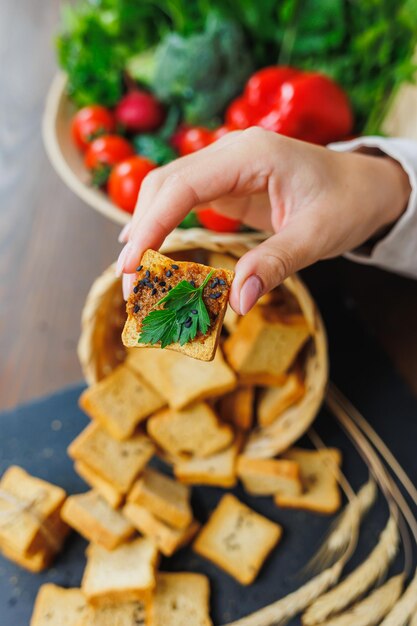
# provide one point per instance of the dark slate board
(36, 436)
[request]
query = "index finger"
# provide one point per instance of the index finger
(171, 192)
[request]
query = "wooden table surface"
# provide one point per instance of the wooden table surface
(52, 246)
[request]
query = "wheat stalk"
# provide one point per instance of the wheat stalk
(352, 420)
(405, 608)
(360, 580)
(280, 612)
(371, 610)
(341, 531)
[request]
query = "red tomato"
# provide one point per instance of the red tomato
(125, 180)
(212, 220)
(239, 114)
(194, 138)
(107, 150)
(263, 87)
(220, 132)
(177, 137)
(89, 122)
(139, 111)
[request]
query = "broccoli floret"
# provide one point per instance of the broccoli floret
(203, 71)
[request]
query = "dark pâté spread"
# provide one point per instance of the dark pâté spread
(157, 279)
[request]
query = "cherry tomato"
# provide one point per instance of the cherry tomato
(212, 220)
(89, 122)
(107, 150)
(240, 114)
(263, 87)
(220, 132)
(178, 135)
(139, 111)
(194, 138)
(125, 180)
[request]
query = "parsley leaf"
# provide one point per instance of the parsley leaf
(183, 316)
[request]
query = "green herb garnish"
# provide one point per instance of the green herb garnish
(183, 316)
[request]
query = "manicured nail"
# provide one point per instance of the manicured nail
(124, 233)
(122, 258)
(128, 281)
(250, 293)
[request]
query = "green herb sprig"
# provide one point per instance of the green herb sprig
(183, 316)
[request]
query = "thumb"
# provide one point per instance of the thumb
(267, 265)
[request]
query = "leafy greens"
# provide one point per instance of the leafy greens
(366, 45)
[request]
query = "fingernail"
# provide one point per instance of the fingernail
(124, 233)
(122, 258)
(250, 293)
(128, 281)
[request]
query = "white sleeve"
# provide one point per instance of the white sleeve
(397, 251)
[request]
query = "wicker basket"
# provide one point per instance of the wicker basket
(100, 348)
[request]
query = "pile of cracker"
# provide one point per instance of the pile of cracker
(195, 416)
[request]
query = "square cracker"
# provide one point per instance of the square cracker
(118, 462)
(56, 606)
(264, 477)
(166, 498)
(90, 515)
(217, 470)
(181, 380)
(319, 476)
(125, 574)
(265, 344)
(273, 401)
(107, 491)
(192, 431)
(120, 402)
(181, 598)
(29, 508)
(35, 563)
(237, 539)
(124, 614)
(237, 407)
(202, 348)
(167, 538)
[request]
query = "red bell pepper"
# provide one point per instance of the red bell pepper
(303, 105)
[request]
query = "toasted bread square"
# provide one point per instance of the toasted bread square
(29, 508)
(265, 344)
(157, 269)
(124, 614)
(90, 515)
(181, 598)
(167, 538)
(108, 492)
(237, 407)
(180, 380)
(125, 574)
(192, 431)
(120, 402)
(273, 401)
(264, 477)
(56, 606)
(118, 462)
(217, 470)
(237, 539)
(319, 473)
(167, 499)
(35, 563)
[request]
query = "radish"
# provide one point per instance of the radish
(139, 111)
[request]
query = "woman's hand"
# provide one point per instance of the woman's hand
(318, 203)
